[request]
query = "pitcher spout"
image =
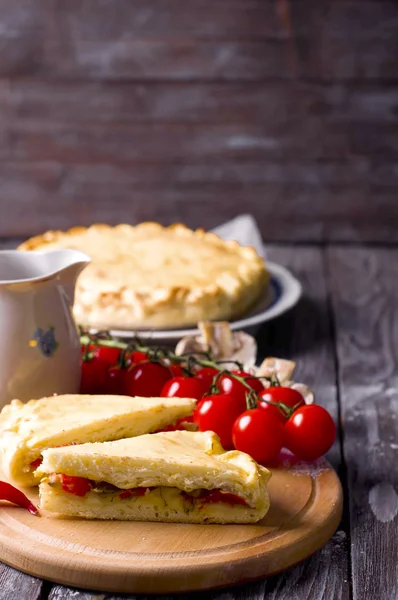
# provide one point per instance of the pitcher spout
(68, 264)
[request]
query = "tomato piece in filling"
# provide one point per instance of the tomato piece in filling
(78, 486)
(179, 425)
(133, 493)
(35, 464)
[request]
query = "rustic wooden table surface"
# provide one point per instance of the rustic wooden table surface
(344, 337)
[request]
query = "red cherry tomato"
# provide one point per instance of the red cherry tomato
(83, 348)
(79, 486)
(207, 374)
(107, 354)
(184, 387)
(176, 371)
(115, 381)
(136, 357)
(283, 395)
(218, 413)
(310, 432)
(93, 376)
(228, 385)
(258, 433)
(146, 379)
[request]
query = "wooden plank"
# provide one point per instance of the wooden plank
(310, 139)
(181, 60)
(184, 41)
(14, 584)
(178, 102)
(305, 335)
(365, 297)
(357, 18)
(88, 19)
(112, 104)
(21, 37)
(323, 203)
(313, 138)
(164, 59)
(61, 592)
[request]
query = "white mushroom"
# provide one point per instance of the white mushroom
(227, 345)
(283, 370)
(305, 391)
(279, 367)
(223, 343)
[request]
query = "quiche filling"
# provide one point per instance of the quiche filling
(80, 486)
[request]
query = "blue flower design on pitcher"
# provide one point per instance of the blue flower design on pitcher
(45, 341)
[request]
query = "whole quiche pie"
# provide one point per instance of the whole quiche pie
(150, 276)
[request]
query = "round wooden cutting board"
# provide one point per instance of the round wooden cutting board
(116, 556)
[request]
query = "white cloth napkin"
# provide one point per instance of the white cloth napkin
(244, 230)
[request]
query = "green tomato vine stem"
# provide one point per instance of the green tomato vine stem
(191, 361)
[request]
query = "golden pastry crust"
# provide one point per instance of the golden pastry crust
(148, 275)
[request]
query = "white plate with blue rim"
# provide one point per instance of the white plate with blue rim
(281, 294)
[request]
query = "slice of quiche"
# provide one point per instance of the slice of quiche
(179, 476)
(28, 429)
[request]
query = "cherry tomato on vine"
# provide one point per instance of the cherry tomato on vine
(93, 376)
(136, 357)
(184, 387)
(259, 433)
(280, 394)
(228, 385)
(83, 348)
(310, 432)
(207, 374)
(115, 380)
(176, 371)
(106, 354)
(218, 413)
(146, 379)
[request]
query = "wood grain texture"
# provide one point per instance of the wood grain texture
(88, 19)
(81, 153)
(231, 40)
(188, 111)
(128, 103)
(61, 592)
(314, 579)
(141, 557)
(47, 195)
(14, 584)
(365, 296)
(208, 42)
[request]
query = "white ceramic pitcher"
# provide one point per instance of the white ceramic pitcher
(39, 341)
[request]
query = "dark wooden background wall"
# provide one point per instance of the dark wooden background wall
(198, 110)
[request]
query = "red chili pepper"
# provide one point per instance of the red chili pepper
(12, 494)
